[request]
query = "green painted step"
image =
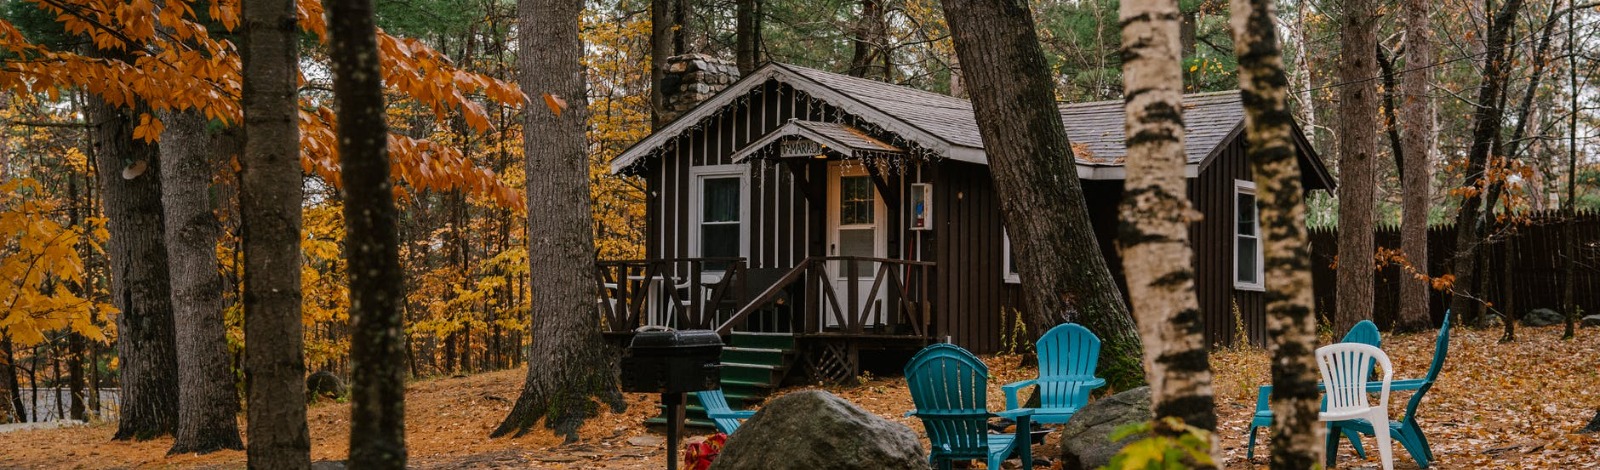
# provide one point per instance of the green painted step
(762, 340)
(738, 355)
(752, 366)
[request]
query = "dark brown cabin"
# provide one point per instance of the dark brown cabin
(856, 215)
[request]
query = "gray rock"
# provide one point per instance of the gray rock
(814, 429)
(1591, 320)
(1085, 440)
(1542, 317)
(1492, 320)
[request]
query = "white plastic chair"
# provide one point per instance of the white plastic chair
(1344, 369)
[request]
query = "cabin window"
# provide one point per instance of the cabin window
(1247, 265)
(717, 230)
(1011, 275)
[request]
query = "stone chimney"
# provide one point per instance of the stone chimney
(692, 79)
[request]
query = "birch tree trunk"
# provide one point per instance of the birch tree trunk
(1065, 277)
(1416, 141)
(1154, 234)
(570, 371)
(208, 403)
(1297, 436)
(140, 288)
(372, 247)
(270, 195)
(1358, 143)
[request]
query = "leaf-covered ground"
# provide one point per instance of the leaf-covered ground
(1496, 406)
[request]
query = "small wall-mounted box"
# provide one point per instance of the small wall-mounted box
(922, 206)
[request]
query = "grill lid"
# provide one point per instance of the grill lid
(658, 337)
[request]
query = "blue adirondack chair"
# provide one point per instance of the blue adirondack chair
(1067, 356)
(948, 386)
(1364, 332)
(725, 418)
(1406, 430)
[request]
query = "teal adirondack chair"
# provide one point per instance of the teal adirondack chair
(1364, 332)
(1406, 430)
(948, 386)
(725, 418)
(1067, 356)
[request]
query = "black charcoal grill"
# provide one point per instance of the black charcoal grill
(672, 362)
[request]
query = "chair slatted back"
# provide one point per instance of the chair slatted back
(1344, 368)
(716, 404)
(1068, 354)
(1441, 349)
(949, 387)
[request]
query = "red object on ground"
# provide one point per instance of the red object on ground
(698, 455)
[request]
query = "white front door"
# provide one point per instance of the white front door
(856, 227)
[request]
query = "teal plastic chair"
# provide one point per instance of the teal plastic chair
(1406, 430)
(949, 387)
(725, 418)
(1364, 332)
(1067, 357)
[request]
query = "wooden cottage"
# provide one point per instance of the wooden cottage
(825, 215)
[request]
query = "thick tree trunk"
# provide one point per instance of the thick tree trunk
(570, 370)
(1486, 117)
(868, 41)
(1358, 108)
(10, 392)
(662, 33)
(372, 246)
(1154, 232)
(270, 193)
(207, 400)
(1297, 441)
(1043, 205)
(1416, 140)
(746, 35)
(131, 187)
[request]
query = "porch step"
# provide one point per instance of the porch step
(784, 341)
(753, 365)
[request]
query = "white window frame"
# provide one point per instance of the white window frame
(697, 177)
(1010, 277)
(1241, 188)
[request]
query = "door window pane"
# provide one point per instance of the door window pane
(856, 203)
(858, 242)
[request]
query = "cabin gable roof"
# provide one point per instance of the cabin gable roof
(946, 126)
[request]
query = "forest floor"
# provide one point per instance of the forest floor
(1495, 406)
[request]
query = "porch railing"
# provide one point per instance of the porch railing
(848, 295)
(683, 293)
(897, 303)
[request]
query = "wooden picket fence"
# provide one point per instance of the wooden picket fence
(1523, 270)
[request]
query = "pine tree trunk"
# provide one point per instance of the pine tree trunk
(746, 35)
(570, 370)
(1013, 96)
(1416, 140)
(207, 400)
(1358, 110)
(1154, 233)
(1569, 240)
(661, 41)
(867, 40)
(270, 194)
(372, 246)
(140, 288)
(10, 393)
(1297, 441)
(1486, 120)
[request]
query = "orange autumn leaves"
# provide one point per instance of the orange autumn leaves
(172, 57)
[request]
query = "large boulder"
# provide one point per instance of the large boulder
(1542, 317)
(1086, 439)
(1591, 320)
(815, 429)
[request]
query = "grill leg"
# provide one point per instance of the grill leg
(674, 404)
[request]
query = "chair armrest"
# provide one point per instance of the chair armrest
(1096, 383)
(1398, 385)
(1011, 392)
(736, 414)
(1015, 415)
